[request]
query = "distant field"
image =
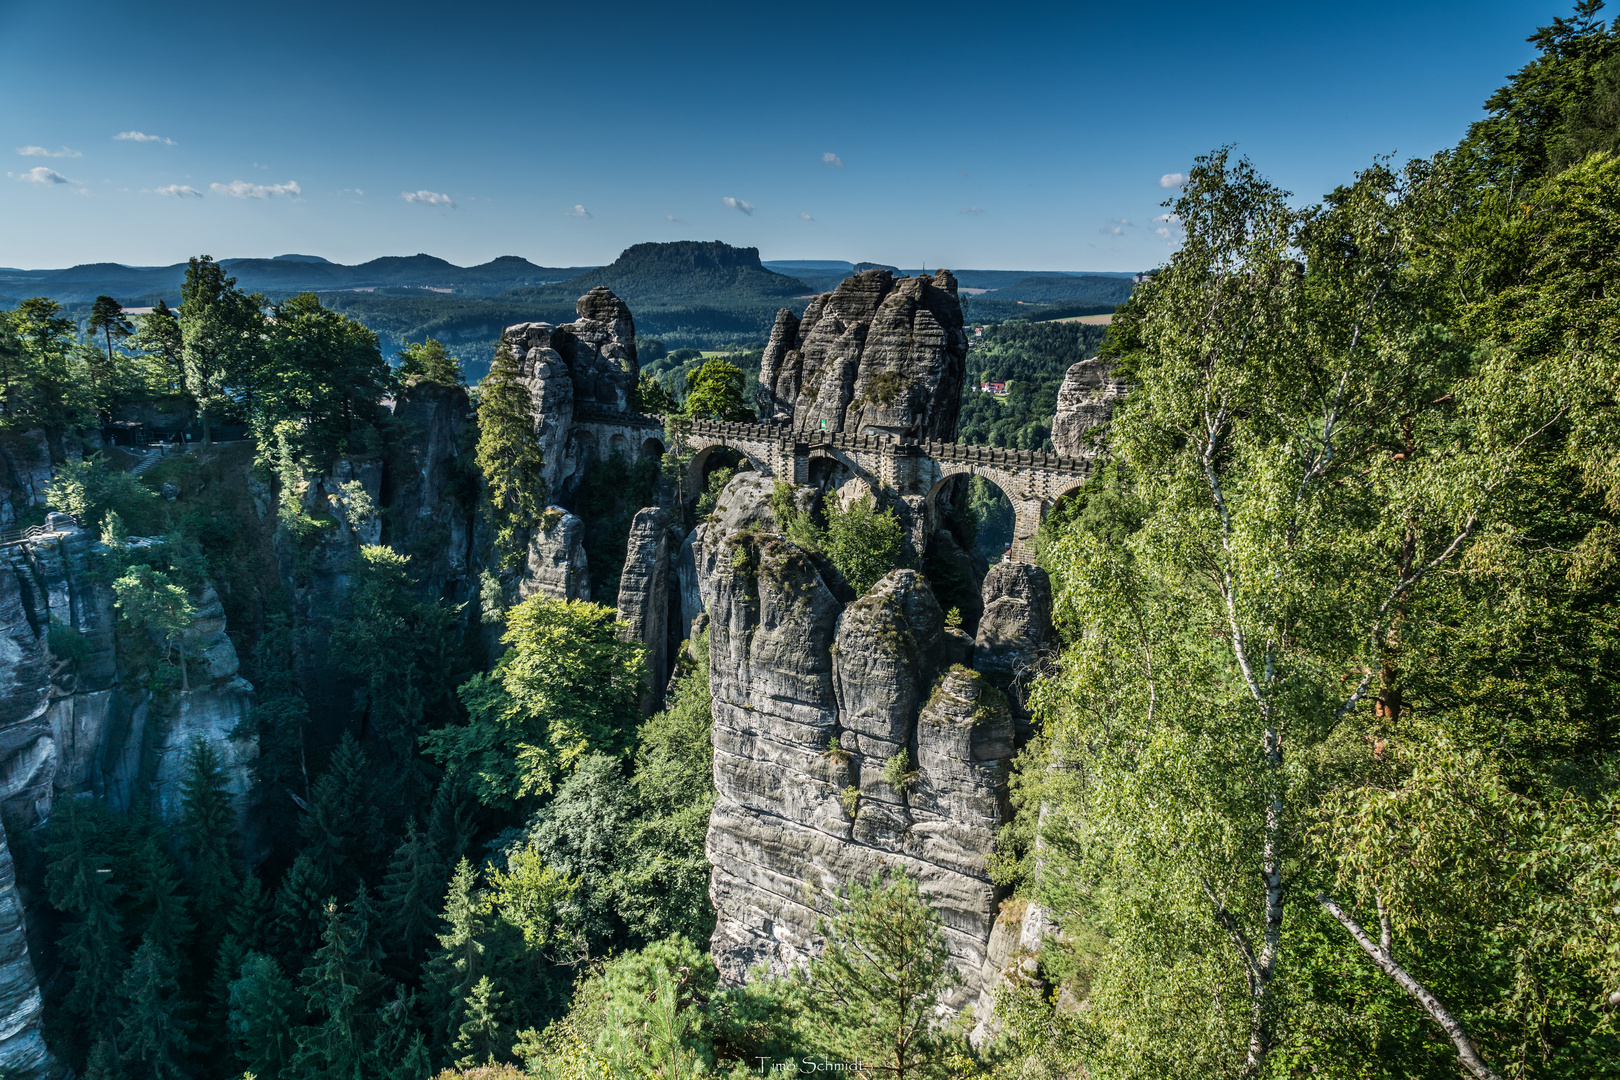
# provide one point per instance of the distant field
(1089, 320)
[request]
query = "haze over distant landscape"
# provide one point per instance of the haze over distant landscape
(955, 135)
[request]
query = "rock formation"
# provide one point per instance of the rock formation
(1085, 402)
(875, 356)
(1015, 631)
(644, 597)
(812, 700)
(556, 565)
(23, 1055)
(588, 364)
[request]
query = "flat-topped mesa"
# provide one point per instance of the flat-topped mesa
(876, 356)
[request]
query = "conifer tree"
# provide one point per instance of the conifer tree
(245, 932)
(429, 362)
(478, 1039)
(157, 340)
(208, 839)
(458, 965)
(80, 883)
(153, 1041)
(161, 904)
(263, 1016)
(509, 454)
(879, 978)
(340, 977)
(343, 826)
(300, 906)
(410, 896)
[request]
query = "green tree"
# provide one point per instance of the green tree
(343, 824)
(411, 894)
(480, 1037)
(338, 985)
(429, 362)
(509, 455)
(876, 983)
(107, 318)
(158, 341)
(222, 338)
(863, 542)
(404, 652)
(208, 837)
(264, 1015)
(53, 393)
(652, 397)
(715, 392)
(320, 370)
(80, 882)
(155, 1038)
(567, 686)
(458, 965)
(149, 600)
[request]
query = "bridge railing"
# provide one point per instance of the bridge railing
(54, 523)
(890, 444)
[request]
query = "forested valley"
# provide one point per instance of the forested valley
(1318, 775)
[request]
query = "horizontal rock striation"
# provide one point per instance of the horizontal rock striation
(876, 356)
(1085, 403)
(813, 701)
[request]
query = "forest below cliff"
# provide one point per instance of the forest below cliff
(1322, 776)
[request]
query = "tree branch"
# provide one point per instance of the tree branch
(1380, 955)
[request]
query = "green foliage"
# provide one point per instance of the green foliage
(864, 543)
(150, 600)
(509, 455)
(154, 1040)
(1031, 358)
(897, 771)
(319, 372)
(652, 397)
(878, 978)
(715, 392)
(429, 362)
(221, 330)
(566, 687)
(90, 489)
(264, 1015)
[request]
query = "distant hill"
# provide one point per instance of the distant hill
(284, 274)
(648, 276)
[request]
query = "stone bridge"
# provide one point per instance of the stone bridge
(1032, 481)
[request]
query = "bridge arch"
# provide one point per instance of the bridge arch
(703, 463)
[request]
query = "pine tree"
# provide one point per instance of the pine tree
(153, 1042)
(80, 883)
(245, 932)
(161, 903)
(410, 897)
(263, 1014)
(300, 905)
(399, 1051)
(102, 1063)
(879, 978)
(509, 454)
(343, 825)
(478, 1039)
(340, 977)
(208, 839)
(451, 821)
(456, 968)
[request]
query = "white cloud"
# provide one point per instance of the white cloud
(1167, 219)
(738, 204)
(1163, 231)
(351, 191)
(141, 136)
(672, 217)
(428, 198)
(178, 191)
(241, 189)
(806, 216)
(578, 211)
(40, 151)
(1112, 230)
(1124, 221)
(1173, 180)
(39, 174)
(833, 159)
(972, 210)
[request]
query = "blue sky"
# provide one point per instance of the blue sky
(1019, 136)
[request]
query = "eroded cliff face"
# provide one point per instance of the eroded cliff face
(812, 699)
(588, 365)
(875, 356)
(1085, 403)
(75, 719)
